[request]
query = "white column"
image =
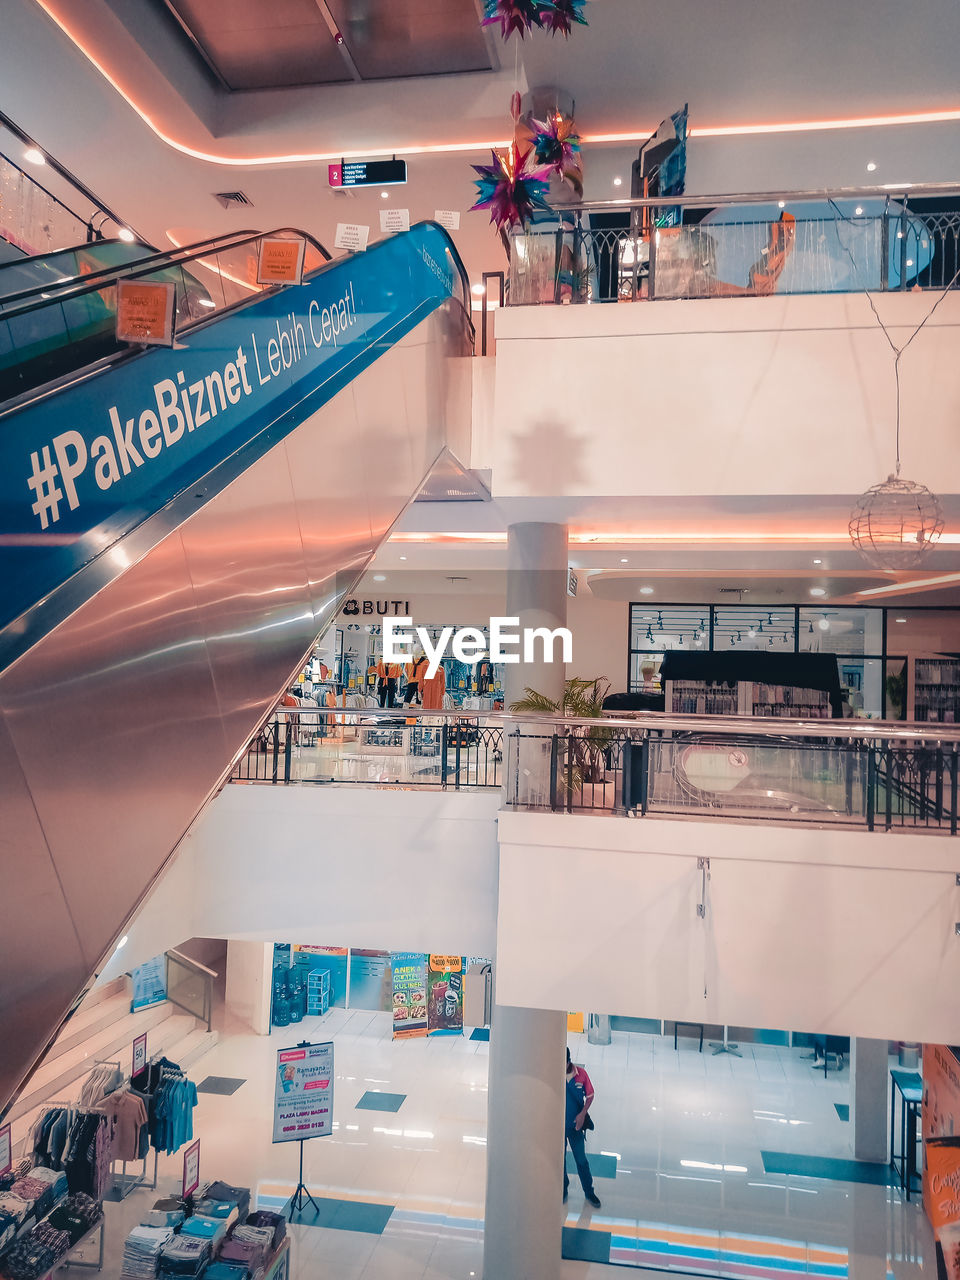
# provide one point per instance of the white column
(249, 979)
(869, 1103)
(523, 1216)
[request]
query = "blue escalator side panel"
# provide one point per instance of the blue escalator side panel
(80, 469)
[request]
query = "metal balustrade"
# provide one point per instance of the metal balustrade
(860, 774)
(841, 241)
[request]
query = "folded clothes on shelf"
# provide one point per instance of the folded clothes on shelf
(142, 1249)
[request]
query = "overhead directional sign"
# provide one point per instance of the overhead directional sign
(367, 173)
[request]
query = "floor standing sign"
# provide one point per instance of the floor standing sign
(303, 1101)
(139, 1054)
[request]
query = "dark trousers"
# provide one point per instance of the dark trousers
(388, 692)
(577, 1139)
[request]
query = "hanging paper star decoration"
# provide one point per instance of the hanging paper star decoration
(556, 147)
(508, 189)
(560, 15)
(513, 15)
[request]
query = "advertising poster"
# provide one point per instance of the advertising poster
(940, 1118)
(303, 1093)
(149, 983)
(409, 994)
(191, 1168)
(445, 996)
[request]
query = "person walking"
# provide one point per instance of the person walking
(579, 1097)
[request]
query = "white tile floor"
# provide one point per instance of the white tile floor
(655, 1108)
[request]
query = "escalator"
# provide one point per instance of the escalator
(177, 526)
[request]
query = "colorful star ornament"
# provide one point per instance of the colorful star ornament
(508, 189)
(556, 147)
(513, 15)
(560, 15)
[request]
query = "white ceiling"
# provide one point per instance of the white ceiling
(738, 64)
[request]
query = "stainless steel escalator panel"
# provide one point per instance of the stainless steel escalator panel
(44, 964)
(250, 590)
(115, 721)
(126, 716)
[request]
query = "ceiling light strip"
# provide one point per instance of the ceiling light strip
(453, 148)
(909, 584)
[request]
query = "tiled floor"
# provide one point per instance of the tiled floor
(685, 1132)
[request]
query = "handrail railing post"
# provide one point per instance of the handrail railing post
(953, 789)
(554, 765)
(288, 748)
(276, 750)
(903, 244)
(444, 744)
(888, 808)
(871, 784)
(570, 773)
(644, 771)
(885, 246)
(652, 258)
(456, 758)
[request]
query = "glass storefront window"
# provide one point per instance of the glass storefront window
(676, 627)
(832, 630)
(768, 630)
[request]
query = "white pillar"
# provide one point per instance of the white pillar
(249, 983)
(523, 1216)
(869, 1102)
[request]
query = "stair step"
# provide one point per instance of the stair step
(87, 1022)
(119, 986)
(59, 1079)
(192, 1048)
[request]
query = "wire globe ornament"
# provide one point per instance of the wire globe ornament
(895, 523)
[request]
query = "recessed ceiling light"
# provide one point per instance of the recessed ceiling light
(858, 210)
(34, 155)
(122, 943)
(870, 167)
(379, 577)
(818, 562)
(618, 182)
(126, 235)
(781, 204)
(899, 619)
(477, 289)
(403, 557)
(384, 195)
(206, 302)
(818, 591)
(623, 560)
(909, 262)
(646, 591)
(824, 624)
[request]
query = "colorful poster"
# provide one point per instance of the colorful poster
(940, 1119)
(303, 1093)
(149, 983)
(409, 994)
(281, 260)
(191, 1168)
(445, 996)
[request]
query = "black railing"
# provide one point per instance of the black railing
(864, 774)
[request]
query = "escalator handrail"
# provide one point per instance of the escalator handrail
(33, 394)
(73, 248)
(79, 286)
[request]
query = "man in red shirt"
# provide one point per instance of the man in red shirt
(579, 1097)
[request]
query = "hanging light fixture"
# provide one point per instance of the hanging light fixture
(896, 522)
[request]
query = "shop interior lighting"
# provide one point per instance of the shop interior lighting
(126, 235)
(646, 591)
(33, 155)
(478, 290)
(818, 591)
(824, 623)
(403, 557)
(623, 560)
(818, 562)
(871, 167)
(618, 182)
(384, 195)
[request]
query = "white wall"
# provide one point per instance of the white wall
(341, 866)
(249, 983)
(805, 929)
(712, 396)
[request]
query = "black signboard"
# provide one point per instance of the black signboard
(368, 173)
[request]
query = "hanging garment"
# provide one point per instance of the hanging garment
(127, 1115)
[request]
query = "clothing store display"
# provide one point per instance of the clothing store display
(34, 1253)
(415, 673)
(432, 690)
(170, 1099)
(87, 1156)
(18, 1170)
(127, 1115)
(220, 1270)
(484, 676)
(208, 1229)
(252, 1245)
(50, 1137)
(104, 1078)
(183, 1256)
(141, 1252)
(157, 1217)
(275, 1221)
(37, 1194)
(77, 1214)
(14, 1206)
(240, 1196)
(28, 1259)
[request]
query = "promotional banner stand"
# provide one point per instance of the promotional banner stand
(302, 1194)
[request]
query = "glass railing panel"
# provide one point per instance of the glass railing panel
(31, 218)
(190, 986)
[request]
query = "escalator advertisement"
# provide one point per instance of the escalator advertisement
(84, 466)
